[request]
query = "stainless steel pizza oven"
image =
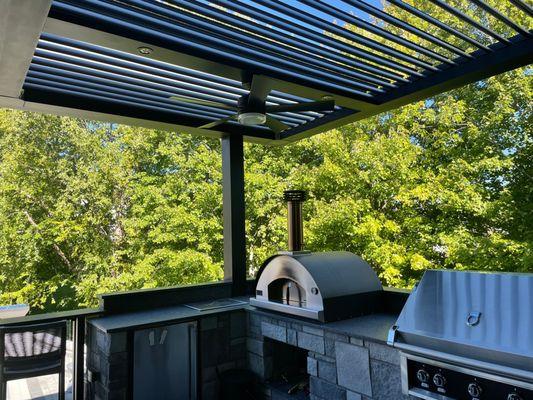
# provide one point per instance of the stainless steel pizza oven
(325, 286)
(467, 335)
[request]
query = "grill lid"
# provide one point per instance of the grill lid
(482, 316)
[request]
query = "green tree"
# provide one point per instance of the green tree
(87, 208)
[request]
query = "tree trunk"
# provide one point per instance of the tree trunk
(57, 249)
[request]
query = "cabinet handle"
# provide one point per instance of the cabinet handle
(192, 360)
(163, 336)
(151, 338)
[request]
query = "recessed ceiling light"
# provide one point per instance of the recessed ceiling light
(145, 50)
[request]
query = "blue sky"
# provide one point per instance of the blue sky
(340, 4)
(335, 3)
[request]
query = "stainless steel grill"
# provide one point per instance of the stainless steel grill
(323, 286)
(467, 335)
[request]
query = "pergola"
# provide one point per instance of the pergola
(183, 65)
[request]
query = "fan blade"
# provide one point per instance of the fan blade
(274, 124)
(202, 102)
(259, 90)
(217, 122)
(321, 105)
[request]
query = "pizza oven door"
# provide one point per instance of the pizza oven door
(287, 291)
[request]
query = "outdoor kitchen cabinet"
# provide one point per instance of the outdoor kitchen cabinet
(164, 362)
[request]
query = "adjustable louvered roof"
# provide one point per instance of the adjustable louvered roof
(181, 64)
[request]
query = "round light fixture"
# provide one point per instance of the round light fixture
(145, 50)
(251, 118)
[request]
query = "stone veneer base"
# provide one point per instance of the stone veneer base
(340, 367)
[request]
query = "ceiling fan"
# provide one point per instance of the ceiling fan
(252, 110)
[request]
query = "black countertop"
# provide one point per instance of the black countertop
(157, 317)
(373, 327)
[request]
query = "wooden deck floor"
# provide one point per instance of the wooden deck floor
(41, 388)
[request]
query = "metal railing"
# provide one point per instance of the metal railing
(76, 332)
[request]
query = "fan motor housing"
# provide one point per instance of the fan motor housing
(245, 106)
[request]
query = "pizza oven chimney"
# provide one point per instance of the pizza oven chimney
(295, 199)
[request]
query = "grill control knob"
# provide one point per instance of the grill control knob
(422, 376)
(474, 390)
(439, 380)
(514, 396)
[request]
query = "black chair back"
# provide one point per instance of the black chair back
(32, 350)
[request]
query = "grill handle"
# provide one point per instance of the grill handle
(295, 199)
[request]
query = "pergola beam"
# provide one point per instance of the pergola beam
(484, 65)
(36, 102)
(21, 23)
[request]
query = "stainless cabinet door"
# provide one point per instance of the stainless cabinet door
(164, 363)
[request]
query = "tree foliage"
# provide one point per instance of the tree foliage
(87, 208)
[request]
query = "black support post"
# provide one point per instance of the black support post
(233, 209)
(78, 336)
